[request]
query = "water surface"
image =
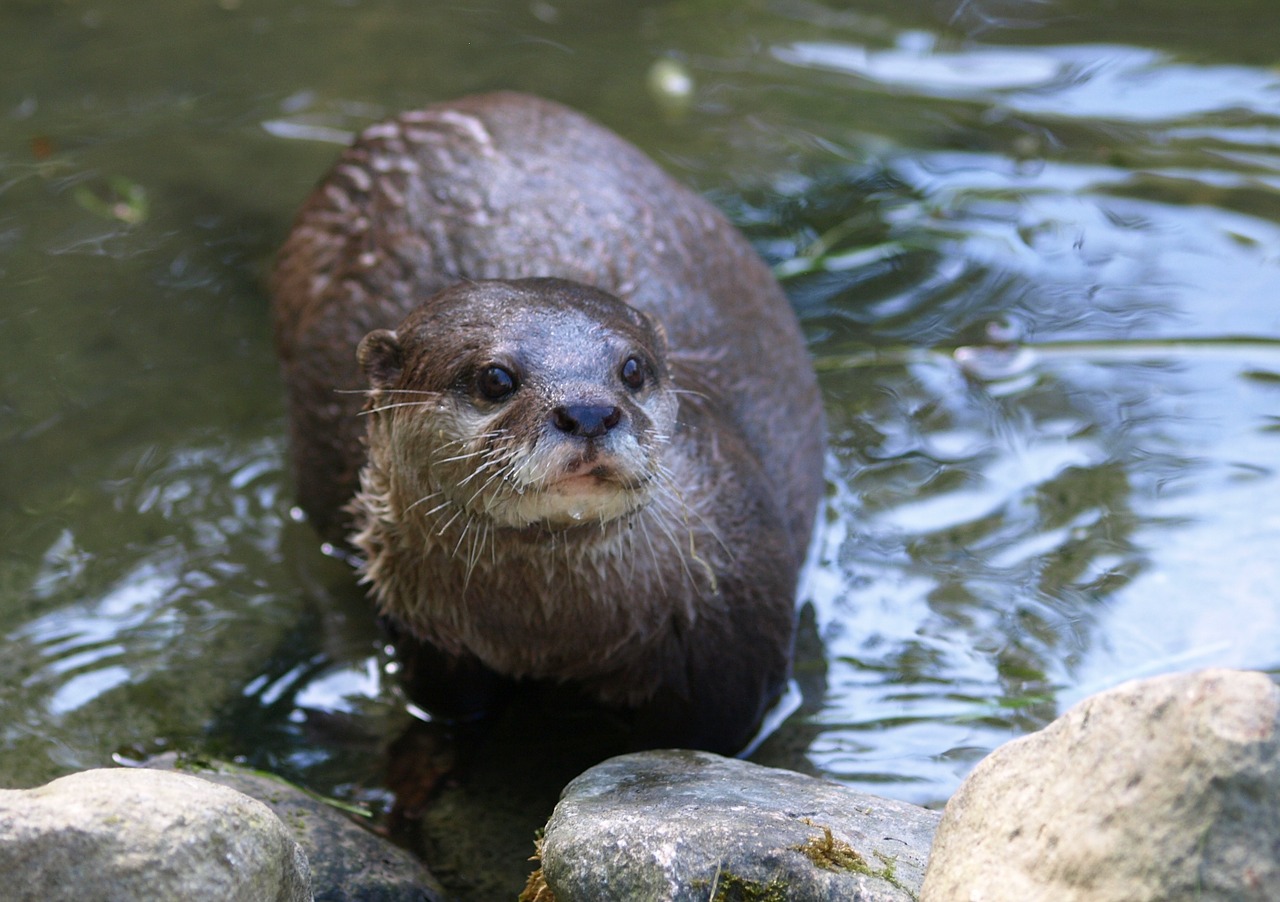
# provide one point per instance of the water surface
(1035, 247)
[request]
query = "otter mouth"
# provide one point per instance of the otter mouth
(582, 492)
(587, 472)
(585, 482)
(591, 475)
(551, 487)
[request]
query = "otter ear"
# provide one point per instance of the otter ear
(381, 358)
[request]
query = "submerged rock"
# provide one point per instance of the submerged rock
(143, 834)
(680, 825)
(1162, 789)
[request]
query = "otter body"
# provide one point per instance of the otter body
(591, 448)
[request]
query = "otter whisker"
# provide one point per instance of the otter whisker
(423, 499)
(455, 443)
(488, 464)
(478, 439)
(377, 391)
(631, 551)
(382, 408)
(669, 500)
(459, 457)
(445, 528)
(674, 492)
(665, 528)
(653, 554)
(426, 515)
(465, 531)
(702, 396)
(492, 456)
(477, 548)
(494, 477)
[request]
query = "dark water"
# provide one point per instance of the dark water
(1036, 247)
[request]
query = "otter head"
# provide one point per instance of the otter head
(530, 402)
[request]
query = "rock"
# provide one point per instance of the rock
(680, 825)
(347, 861)
(141, 834)
(1163, 789)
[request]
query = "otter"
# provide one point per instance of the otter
(561, 410)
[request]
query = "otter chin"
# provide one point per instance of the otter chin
(562, 412)
(574, 499)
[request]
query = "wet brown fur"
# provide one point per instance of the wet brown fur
(682, 608)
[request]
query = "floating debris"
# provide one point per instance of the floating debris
(120, 199)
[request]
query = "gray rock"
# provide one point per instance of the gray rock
(1163, 789)
(694, 826)
(347, 861)
(116, 834)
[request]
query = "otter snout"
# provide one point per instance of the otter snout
(586, 420)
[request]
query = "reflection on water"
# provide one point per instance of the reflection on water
(1038, 268)
(917, 65)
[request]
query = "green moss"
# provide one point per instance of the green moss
(729, 887)
(192, 763)
(889, 871)
(833, 854)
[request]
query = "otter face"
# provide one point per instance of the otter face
(529, 402)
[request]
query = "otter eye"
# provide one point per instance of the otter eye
(496, 382)
(632, 374)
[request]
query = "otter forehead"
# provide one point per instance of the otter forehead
(562, 341)
(538, 324)
(553, 302)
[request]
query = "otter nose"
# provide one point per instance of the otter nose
(586, 420)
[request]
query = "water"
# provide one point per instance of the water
(1035, 247)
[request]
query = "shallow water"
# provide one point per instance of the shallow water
(1035, 246)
